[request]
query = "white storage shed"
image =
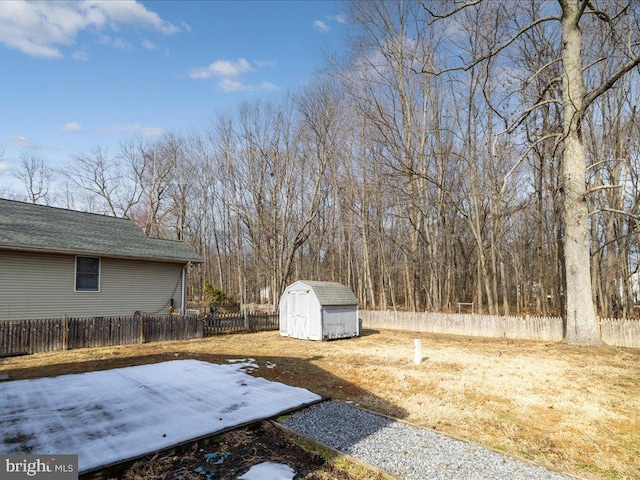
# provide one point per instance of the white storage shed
(314, 310)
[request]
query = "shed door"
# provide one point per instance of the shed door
(298, 320)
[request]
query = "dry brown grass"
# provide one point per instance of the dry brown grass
(568, 408)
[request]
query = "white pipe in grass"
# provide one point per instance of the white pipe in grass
(417, 351)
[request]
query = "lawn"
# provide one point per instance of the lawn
(573, 409)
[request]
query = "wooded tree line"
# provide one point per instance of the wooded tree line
(429, 165)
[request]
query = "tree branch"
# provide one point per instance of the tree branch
(598, 13)
(499, 49)
(523, 116)
(593, 165)
(523, 156)
(537, 72)
(596, 92)
(614, 210)
(437, 16)
(598, 188)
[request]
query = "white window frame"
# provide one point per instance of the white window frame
(75, 276)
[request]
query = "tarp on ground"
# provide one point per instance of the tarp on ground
(109, 416)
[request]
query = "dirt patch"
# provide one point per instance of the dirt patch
(570, 408)
(229, 456)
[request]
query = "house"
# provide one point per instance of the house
(318, 311)
(56, 262)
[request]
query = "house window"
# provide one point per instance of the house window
(87, 274)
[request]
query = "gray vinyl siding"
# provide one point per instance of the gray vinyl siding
(340, 321)
(35, 285)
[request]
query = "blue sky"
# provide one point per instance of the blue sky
(81, 74)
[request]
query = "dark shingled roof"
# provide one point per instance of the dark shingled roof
(36, 228)
(331, 293)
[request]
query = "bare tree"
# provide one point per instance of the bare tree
(394, 107)
(151, 166)
(2, 151)
(436, 166)
(102, 175)
(36, 178)
(580, 314)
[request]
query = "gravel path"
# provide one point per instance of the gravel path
(409, 452)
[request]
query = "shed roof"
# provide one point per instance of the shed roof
(331, 293)
(38, 228)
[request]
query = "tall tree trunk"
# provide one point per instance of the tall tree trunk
(580, 315)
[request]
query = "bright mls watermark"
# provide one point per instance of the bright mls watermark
(51, 467)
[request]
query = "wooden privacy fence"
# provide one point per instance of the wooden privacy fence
(41, 335)
(224, 323)
(618, 332)
(49, 334)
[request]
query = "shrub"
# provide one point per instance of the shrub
(215, 296)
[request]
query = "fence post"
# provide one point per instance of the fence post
(600, 326)
(65, 333)
(142, 327)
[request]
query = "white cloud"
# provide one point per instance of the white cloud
(267, 86)
(23, 142)
(227, 85)
(80, 55)
(71, 127)
(341, 18)
(229, 73)
(115, 42)
(127, 12)
(222, 69)
(151, 132)
(148, 45)
(40, 28)
(321, 26)
(265, 63)
(136, 128)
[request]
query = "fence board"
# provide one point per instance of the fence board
(227, 323)
(622, 333)
(172, 327)
(618, 332)
(260, 322)
(91, 332)
(40, 335)
(31, 336)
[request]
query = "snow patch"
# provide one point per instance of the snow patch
(269, 471)
(247, 365)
